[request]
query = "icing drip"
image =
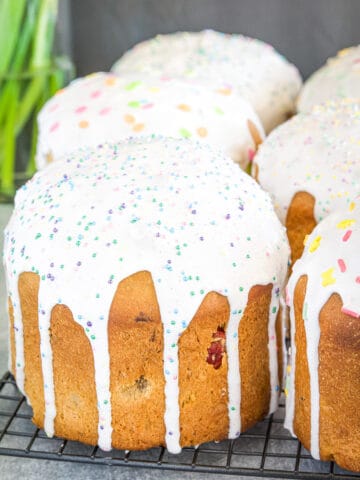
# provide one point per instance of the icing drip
(103, 214)
(337, 79)
(234, 379)
(285, 335)
(44, 315)
(232, 62)
(317, 153)
(273, 362)
(103, 107)
(19, 339)
(331, 262)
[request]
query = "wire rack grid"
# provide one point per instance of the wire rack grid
(267, 450)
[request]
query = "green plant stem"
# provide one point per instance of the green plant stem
(46, 93)
(11, 16)
(22, 49)
(8, 164)
(44, 36)
(29, 101)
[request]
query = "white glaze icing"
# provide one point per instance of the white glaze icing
(272, 346)
(339, 78)
(253, 68)
(175, 208)
(318, 153)
(104, 107)
(331, 261)
(285, 335)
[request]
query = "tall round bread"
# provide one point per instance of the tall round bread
(251, 67)
(104, 107)
(338, 79)
(154, 267)
(324, 298)
(311, 166)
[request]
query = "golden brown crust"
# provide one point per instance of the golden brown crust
(302, 377)
(339, 373)
(135, 333)
(203, 392)
(136, 365)
(28, 291)
(254, 357)
(254, 132)
(255, 171)
(300, 221)
(74, 373)
(12, 337)
(339, 382)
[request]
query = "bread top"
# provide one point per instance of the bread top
(318, 153)
(175, 208)
(338, 79)
(331, 261)
(259, 73)
(104, 107)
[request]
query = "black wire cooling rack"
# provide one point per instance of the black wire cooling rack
(267, 450)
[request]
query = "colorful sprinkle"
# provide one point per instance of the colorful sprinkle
(342, 265)
(202, 132)
(315, 244)
(345, 223)
(347, 235)
(83, 124)
(184, 107)
(327, 277)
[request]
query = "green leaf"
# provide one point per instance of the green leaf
(9, 143)
(11, 15)
(25, 39)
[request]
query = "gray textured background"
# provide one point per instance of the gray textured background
(305, 31)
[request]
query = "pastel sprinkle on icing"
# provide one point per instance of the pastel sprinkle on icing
(327, 277)
(350, 312)
(110, 81)
(184, 107)
(83, 124)
(202, 132)
(139, 127)
(129, 118)
(342, 265)
(135, 104)
(185, 133)
(315, 244)
(347, 235)
(345, 223)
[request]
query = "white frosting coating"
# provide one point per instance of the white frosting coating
(339, 78)
(104, 107)
(175, 208)
(331, 261)
(272, 347)
(318, 153)
(253, 68)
